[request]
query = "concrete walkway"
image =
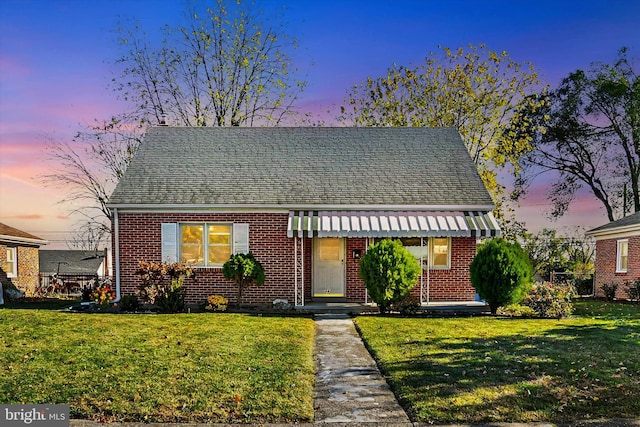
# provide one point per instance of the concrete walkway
(349, 386)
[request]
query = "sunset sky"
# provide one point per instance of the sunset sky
(56, 59)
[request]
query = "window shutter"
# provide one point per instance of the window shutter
(169, 242)
(240, 238)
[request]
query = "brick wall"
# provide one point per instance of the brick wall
(140, 240)
(28, 268)
(606, 254)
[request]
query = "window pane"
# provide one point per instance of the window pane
(440, 251)
(192, 245)
(9, 265)
(219, 244)
(219, 254)
(624, 255)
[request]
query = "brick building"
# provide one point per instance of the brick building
(617, 253)
(19, 258)
(307, 202)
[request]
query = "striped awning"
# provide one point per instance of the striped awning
(391, 224)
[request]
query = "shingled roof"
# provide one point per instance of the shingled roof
(301, 167)
(629, 222)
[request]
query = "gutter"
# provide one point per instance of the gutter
(116, 252)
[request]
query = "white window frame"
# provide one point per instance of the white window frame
(619, 256)
(428, 260)
(432, 254)
(205, 243)
(13, 263)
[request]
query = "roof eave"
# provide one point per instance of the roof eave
(299, 207)
(23, 240)
(612, 231)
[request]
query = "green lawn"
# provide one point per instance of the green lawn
(185, 367)
(484, 369)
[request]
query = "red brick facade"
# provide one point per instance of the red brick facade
(140, 239)
(606, 261)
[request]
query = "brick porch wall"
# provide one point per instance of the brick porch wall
(140, 239)
(606, 253)
(452, 284)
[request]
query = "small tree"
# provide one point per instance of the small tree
(389, 272)
(501, 273)
(243, 269)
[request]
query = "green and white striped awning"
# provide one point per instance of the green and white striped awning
(391, 224)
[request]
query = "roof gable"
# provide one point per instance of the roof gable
(290, 167)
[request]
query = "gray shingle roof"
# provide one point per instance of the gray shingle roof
(70, 261)
(633, 219)
(301, 167)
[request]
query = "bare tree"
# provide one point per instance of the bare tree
(89, 168)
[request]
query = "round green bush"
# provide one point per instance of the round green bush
(501, 273)
(389, 271)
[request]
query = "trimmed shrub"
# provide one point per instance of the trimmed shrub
(243, 269)
(389, 271)
(501, 273)
(550, 300)
(609, 291)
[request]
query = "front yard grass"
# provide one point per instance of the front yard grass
(486, 369)
(168, 368)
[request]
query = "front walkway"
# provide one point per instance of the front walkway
(349, 386)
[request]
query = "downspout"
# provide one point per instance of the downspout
(116, 252)
(428, 270)
(421, 269)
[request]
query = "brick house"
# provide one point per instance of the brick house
(307, 202)
(617, 253)
(19, 258)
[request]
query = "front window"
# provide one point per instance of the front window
(622, 258)
(437, 253)
(10, 265)
(207, 245)
(440, 252)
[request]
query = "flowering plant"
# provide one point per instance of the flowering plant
(216, 303)
(103, 294)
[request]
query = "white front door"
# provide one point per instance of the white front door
(328, 267)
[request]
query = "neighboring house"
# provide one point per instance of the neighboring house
(19, 258)
(72, 265)
(307, 202)
(617, 253)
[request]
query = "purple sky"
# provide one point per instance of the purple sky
(55, 55)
